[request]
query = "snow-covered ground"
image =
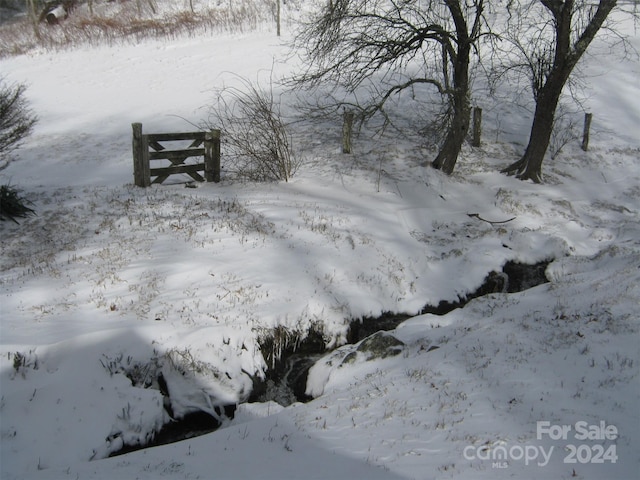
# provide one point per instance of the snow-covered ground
(109, 279)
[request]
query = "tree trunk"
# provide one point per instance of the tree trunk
(33, 16)
(529, 167)
(278, 8)
(448, 154)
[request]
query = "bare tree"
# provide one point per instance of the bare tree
(457, 51)
(550, 36)
(397, 44)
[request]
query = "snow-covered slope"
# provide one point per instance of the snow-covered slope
(109, 279)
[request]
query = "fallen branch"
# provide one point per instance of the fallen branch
(477, 215)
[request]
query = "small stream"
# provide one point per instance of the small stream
(286, 381)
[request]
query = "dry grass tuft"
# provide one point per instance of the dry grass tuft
(126, 24)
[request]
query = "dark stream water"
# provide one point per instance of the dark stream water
(286, 381)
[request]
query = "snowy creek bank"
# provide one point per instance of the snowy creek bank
(514, 277)
(292, 357)
(286, 381)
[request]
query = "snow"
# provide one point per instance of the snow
(110, 281)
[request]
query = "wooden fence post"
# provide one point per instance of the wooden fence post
(585, 132)
(212, 156)
(477, 126)
(141, 172)
(347, 128)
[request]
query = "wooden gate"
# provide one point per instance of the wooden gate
(148, 147)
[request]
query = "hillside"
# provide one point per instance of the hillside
(111, 287)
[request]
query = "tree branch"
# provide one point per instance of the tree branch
(477, 215)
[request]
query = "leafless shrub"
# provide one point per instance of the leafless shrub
(565, 131)
(256, 142)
